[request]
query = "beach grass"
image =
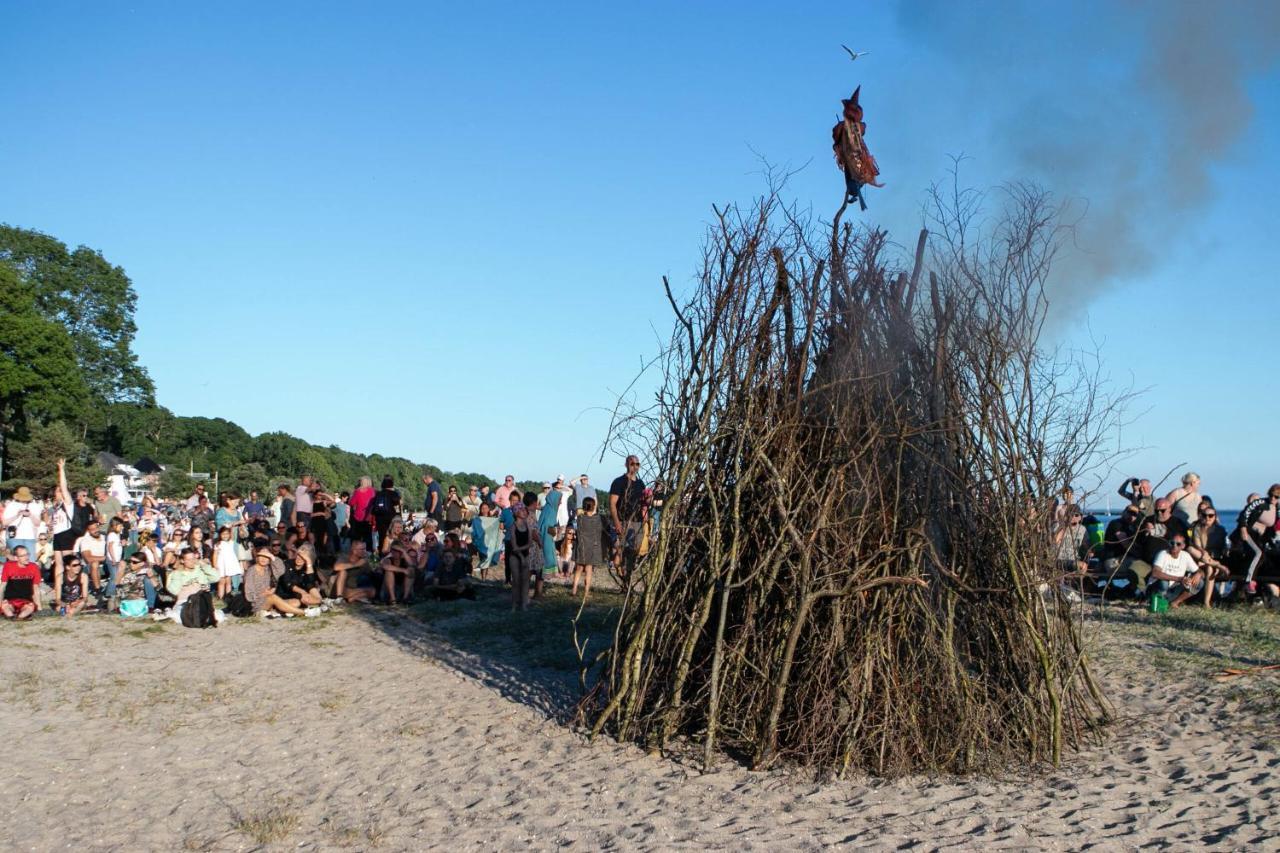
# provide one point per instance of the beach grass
(267, 826)
(542, 636)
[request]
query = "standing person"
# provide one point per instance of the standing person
(562, 507)
(194, 501)
(1185, 500)
(502, 496)
(507, 521)
(385, 507)
(486, 538)
(226, 559)
(549, 530)
(321, 518)
(20, 579)
(340, 526)
(1138, 493)
(361, 523)
(519, 551)
(78, 513)
(105, 504)
(432, 502)
(588, 546)
(284, 504)
(115, 554)
(302, 503)
(228, 515)
(22, 520)
(454, 510)
(582, 489)
(253, 508)
(626, 511)
(486, 496)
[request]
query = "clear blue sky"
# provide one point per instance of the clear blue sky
(393, 197)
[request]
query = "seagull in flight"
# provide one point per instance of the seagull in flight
(854, 56)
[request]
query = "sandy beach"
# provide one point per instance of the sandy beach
(381, 729)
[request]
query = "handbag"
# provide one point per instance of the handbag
(133, 608)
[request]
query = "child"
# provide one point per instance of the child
(115, 554)
(226, 559)
(71, 592)
(588, 549)
(564, 553)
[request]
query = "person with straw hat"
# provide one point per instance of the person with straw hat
(22, 520)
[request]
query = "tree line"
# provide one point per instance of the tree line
(71, 386)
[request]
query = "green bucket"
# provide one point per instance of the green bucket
(1157, 603)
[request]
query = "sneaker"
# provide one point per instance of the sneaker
(312, 612)
(323, 608)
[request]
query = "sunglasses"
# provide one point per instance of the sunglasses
(1210, 515)
(1178, 543)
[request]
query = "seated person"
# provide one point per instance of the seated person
(1118, 542)
(92, 548)
(357, 563)
(70, 595)
(1071, 543)
(299, 585)
(20, 579)
(261, 587)
(453, 575)
(189, 576)
(1174, 573)
(400, 562)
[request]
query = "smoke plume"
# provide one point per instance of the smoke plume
(1123, 112)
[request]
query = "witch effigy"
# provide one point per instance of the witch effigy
(853, 158)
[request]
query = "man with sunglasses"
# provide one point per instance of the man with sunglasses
(1174, 573)
(626, 510)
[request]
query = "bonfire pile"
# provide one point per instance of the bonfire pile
(853, 569)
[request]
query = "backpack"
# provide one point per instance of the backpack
(381, 504)
(198, 610)
(238, 606)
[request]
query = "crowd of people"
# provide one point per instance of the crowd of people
(201, 560)
(1173, 549)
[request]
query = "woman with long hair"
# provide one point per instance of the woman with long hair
(361, 521)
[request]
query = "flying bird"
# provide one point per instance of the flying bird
(854, 56)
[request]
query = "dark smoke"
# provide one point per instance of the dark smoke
(1129, 108)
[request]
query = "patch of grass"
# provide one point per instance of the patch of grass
(275, 823)
(333, 701)
(347, 835)
(56, 629)
(541, 636)
(412, 730)
(144, 633)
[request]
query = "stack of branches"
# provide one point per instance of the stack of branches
(854, 568)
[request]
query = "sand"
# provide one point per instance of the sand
(360, 731)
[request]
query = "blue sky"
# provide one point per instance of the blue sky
(439, 231)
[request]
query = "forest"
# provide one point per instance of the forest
(71, 386)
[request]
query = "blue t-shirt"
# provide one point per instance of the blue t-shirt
(340, 513)
(434, 489)
(508, 523)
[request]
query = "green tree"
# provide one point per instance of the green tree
(175, 484)
(244, 479)
(93, 301)
(34, 461)
(39, 379)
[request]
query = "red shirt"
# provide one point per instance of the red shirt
(359, 503)
(13, 572)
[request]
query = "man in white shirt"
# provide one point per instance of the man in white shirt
(22, 520)
(1174, 573)
(194, 500)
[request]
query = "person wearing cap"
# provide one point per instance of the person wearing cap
(471, 503)
(22, 520)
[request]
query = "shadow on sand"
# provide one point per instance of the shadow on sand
(527, 657)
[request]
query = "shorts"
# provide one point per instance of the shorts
(65, 541)
(18, 603)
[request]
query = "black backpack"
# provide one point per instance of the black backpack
(381, 504)
(238, 606)
(198, 610)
